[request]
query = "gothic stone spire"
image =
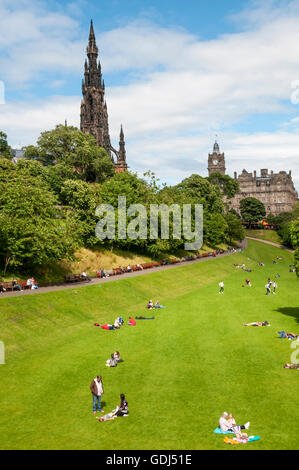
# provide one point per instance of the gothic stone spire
(94, 116)
(121, 164)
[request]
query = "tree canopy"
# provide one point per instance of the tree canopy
(252, 210)
(5, 150)
(76, 150)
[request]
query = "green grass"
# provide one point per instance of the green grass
(181, 371)
(268, 235)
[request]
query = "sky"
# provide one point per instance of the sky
(177, 75)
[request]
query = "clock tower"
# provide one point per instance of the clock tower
(216, 161)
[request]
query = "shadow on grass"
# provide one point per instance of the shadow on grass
(290, 311)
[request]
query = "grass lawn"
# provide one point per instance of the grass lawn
(181, 370)
(268, 235)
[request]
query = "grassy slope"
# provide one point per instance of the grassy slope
(92, 261)
(181, 371)
(269, 235)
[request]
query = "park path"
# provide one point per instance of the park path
(243, 245)
(271, 243)
(93, 281)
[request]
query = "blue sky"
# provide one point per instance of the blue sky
(176, 73)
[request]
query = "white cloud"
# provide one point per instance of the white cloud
(179, 89)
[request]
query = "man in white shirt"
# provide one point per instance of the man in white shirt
(221, 285)
(97, 390)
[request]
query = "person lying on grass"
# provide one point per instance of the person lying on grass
(284, 334)
(226, 425)
(144, 318)
(107, 327)
(291, 366)
(121, 410)
(257, 323)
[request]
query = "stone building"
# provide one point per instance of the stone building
(216, 161)
(275, 190)
(94, 114)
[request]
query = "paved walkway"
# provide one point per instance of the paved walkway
(111, 278)
(243, 245)
(271, 243)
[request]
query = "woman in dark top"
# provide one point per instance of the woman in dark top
(123, 409)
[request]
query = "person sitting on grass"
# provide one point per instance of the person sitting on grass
(150, 304)
(120, 411)
(123, 408)
(231, 420)
(291, 366)
(111, 362)
(117, 323)
(2, 289)
(248, 283)
(257, 323)
(131, 322)
(225, 424)
(117, 357)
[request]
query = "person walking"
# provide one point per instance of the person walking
(268, 287)
(274, 285)
(97, 390)
(221, 285)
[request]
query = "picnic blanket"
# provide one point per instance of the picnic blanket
(219, 431)
(232, 440)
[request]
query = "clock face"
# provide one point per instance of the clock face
(215, 162)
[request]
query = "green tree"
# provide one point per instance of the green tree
(235, 230)
(33, 230)
(216, 228)
(227, 185)
(252, 210)
(69, 146)
(5, 150)
(81, 199)
(198, 190)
